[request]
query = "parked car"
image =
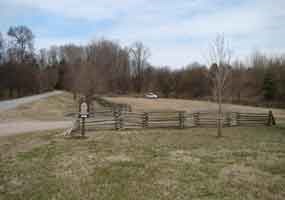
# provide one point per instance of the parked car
(151, 95)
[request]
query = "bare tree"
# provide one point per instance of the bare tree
(2, 49)
(43, 58)
(53, 55)
(22, 42)
(237, 81)
(122, 71)
(165, 81)
(72, 54)
(139, 55)
(220, 58)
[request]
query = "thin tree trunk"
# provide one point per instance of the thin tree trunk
(74, 95)
(219, 111)
(11, 92)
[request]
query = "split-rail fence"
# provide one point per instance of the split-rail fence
(118, 120)
(121, 117)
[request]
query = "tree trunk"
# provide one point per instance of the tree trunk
(219, 125)
(10, 92)
(239, 97)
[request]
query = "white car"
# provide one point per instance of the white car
(151, 95)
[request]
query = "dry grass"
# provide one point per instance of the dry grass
(51, 108)
(142, 104)
(247, 163)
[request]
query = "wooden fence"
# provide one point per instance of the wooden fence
(118, 120)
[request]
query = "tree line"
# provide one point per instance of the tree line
(21, 70)
(107, 67)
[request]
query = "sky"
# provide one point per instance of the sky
(178, 32)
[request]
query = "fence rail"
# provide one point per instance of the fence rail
(118, 120)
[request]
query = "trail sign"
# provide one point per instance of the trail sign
(84, 110)
(83, 115)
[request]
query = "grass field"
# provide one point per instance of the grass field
(247, 163)
(142, 104)
(51, 108)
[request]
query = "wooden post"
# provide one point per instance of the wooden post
(271, 120)
(196, 119)
(83, 127)
(116, 118)
(121, 120)
(145, 120)
(228, 119)
(181, 119)
(238, 118)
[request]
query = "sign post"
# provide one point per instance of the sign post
(83, 116)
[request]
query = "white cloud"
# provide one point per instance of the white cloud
(88, 9)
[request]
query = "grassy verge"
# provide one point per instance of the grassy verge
(51, 108)
(247, 163)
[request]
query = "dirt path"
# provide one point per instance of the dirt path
(13, 128)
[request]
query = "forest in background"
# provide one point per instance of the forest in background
(107, 67)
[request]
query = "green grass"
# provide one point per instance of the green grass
(247, 163)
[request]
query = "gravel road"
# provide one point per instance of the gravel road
(17, 127)
(9, 104)
(13, 128)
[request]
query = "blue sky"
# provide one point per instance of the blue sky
(177, 32)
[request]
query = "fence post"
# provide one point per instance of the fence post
(145, 120)
(238, 118)
(196, 119)
(181, 119)
(121, 119)
(83, 127)
(228, 119)
(271, 120)
(116, 118)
